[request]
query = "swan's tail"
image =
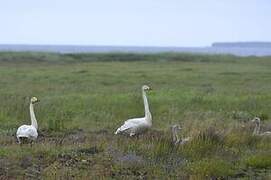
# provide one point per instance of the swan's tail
(123, 128)
(117, 131)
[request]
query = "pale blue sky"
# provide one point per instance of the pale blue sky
(134, 22)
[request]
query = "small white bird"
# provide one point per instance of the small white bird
(175, 137)
(257, 128)
(138, 125)
(29, 131)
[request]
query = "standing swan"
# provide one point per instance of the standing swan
(175, 137)
(29, 131)
(257, 128)
(137, 125)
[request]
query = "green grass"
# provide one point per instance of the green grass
(85, 97)
(262, 160)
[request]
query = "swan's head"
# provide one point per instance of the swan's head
(146, 88)
(257, 120)
(34, 100)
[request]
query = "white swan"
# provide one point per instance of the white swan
(257, 128)
(138, 125)
(175, 137)
(29, 131)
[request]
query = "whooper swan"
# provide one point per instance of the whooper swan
(257, 128)
(138, 125)
(29, 131)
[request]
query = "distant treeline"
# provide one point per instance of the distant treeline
(95, 57)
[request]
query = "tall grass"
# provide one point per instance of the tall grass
(85, 97)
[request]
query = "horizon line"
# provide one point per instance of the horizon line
(138, 46)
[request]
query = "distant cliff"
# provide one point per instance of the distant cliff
(242, 44)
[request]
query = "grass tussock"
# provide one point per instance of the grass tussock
(209, 168)
(259, 160)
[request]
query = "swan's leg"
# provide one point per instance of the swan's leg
(31, 143)
(19, 141)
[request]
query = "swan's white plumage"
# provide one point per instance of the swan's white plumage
(267, 133)
(134, 126)
(257, 128)
(29, 131)
(138, 125)
(185, 140)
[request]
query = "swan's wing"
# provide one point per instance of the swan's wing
(135, 121)
(185, 140)
(22, 129)
(130, 123)
(267, 133)
(27, 131)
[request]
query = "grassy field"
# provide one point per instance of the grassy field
(85, 97)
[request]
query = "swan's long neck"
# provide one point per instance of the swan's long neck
(146, 106)
(257, 129)
(32, 116)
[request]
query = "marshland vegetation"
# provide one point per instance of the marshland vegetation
(85, 97)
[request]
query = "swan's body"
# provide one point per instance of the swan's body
(257, 128)
(134, 126)
(175, 137)
(29, 131)
(138, 125)
(185, 140)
